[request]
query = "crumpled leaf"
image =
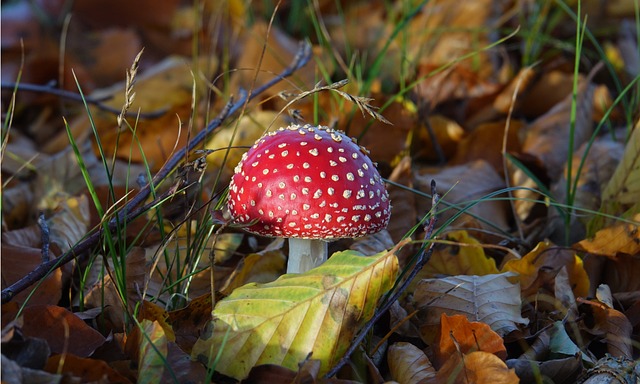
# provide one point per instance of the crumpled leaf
(490, 299)
(613, 325)
(544, 259)
(408, 364)
(459, 335)
(282, 322)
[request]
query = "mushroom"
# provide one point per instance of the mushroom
(309, 184)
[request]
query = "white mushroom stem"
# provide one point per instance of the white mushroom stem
(305, 254)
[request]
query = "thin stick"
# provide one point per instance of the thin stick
(44, 236)
(129, 212)
(36, 88)
(423, 258)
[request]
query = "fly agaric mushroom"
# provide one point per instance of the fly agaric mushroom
(309, 184)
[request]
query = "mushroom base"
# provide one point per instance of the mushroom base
(305, 254)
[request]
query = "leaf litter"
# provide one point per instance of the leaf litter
(533, 265)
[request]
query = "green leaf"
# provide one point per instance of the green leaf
(281, 322)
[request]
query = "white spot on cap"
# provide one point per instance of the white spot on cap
(307, 179)
(305, 191)
(305, 165)
(367, 217)
(314, 152)
(332, 163)
(317, 194)
(269, 193)
(265, 171)
(346, 194)
(293, 196)
(341, 219)
(342, 159)
(296, 178)
(335, 177)
(350, 176)
(284, 153)
(327, 218)
(255, 163)
(323, 174)
(330, 191)
(306, 207)
(282, 185)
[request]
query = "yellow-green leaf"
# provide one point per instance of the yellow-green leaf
(153, 352)
(281, 322)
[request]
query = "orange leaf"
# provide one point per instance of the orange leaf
(476, 368)
(458, 335)
(89, 370)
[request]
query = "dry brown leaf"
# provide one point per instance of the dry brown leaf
(408, 364)
(476, 368)
(188, 322)
(490, 299)
(458, 335)
(599, 165)
(462, 185)
(64, 331)
(101, 291)
(403, 209)
(540, 266)
(549, 90)
(279, 52)
(547, 138)
(621, 274)
(485, 143)
(564, 370)
(447, 134)
(88, 370)
(167, 86)
(613, 325)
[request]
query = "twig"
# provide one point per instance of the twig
(44, 236)
(423, 258)
(129, 212)
(25, 87)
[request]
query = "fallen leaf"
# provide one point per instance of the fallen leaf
(490, 299)
(565, 370)
(190, 321)
(13, 373)
(153, 352)
(476, 368)
(465, 257)
(458, 335)
(546, 259)
(460, 187)
(613, 325)
(408, 364)
(623, 238)
(63, 330)
(281, 322)
(85, 369)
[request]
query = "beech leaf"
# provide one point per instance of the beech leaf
(491, 299)
(281, 322)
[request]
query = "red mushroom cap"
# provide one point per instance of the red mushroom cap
(308, 182)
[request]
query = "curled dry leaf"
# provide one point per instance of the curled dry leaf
(459, 335)
(490, 299)
(408, 364)
(548, 260)
(613, 325)
(476, 368)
